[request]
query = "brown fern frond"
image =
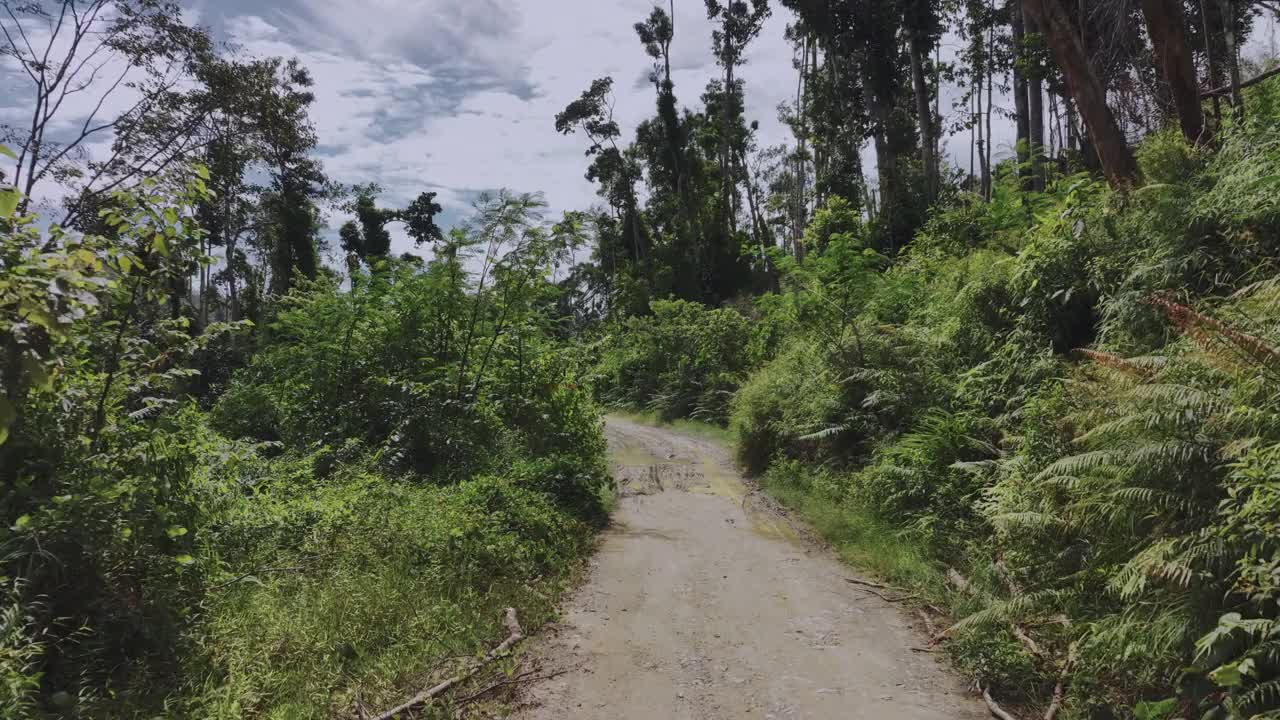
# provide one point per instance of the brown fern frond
(1117, 363)
(1205, 331)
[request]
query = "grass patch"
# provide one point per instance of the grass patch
(694, 428)
(859, 537)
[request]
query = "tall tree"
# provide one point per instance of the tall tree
(740, 22)
(1035, 108)
(1167, 28)
(1022, 118)
(1090, 97)
(922, 24)
(592, 113)
(296, 177)
(656, 33)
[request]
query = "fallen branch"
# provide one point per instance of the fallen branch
(524, 677)
(1007, 577)
(1027, 641)
(258, 571)
(995, 708)
(1226, 89)
(888, 599)
(514, 635)
(1059, 690)
(868, 583)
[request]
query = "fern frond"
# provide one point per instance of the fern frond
(1028, 519)
(1183, 396)
(1117, 363)
(1014, 609)
(1151, 499)
(1263, 696)
(1168, 454)
(1079, 464)
(824, 433)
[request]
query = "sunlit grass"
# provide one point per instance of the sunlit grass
(695, 428)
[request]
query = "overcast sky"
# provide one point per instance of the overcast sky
(459, 96)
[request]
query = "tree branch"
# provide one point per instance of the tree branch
(514, 635)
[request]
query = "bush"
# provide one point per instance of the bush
(684, 360)
(787, 408)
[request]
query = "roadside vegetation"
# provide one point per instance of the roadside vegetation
(342, 520)
(1051, 419)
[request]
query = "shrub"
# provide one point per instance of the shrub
(684, 360)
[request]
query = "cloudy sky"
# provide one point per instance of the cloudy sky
(459, 96)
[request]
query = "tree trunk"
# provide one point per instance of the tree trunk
(1117, 161)
(929, 167)
(1233, 55)
(1165, 25)
(1069, 109)
(886, 158)
(1035, 116)
(991, 78)
(1021, 113)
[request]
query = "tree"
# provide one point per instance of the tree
(1022, 118)
(367, 238)
(1166, 28)
(739, 24)
(1090, 97)
(923, 27)
(292, 218)
(135, 51)
(592, 113)
(656, 33)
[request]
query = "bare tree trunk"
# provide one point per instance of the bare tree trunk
(1117, 161)
(1165, 25)
(1069, 109)
(973, 130)
(937, 113)
(886, 161)
(916, 50)
(1035, 115)
(1208, 58)
(1021, 113)
(1233, 55)
(991, 76)
(799, 213)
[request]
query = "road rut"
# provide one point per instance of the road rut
(701, 604)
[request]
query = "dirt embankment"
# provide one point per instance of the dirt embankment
(702, 603)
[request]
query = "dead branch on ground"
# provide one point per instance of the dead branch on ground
(514, 635)
(994, 707)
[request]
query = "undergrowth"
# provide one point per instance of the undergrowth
(1053, 416)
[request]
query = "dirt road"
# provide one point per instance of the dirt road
(701, 605)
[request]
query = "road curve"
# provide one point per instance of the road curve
(702, 604)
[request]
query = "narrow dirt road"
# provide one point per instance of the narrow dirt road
(702, 604)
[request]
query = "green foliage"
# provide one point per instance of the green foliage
(1068, 397)
(683, 360)
(359, 584)
(407, 457)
